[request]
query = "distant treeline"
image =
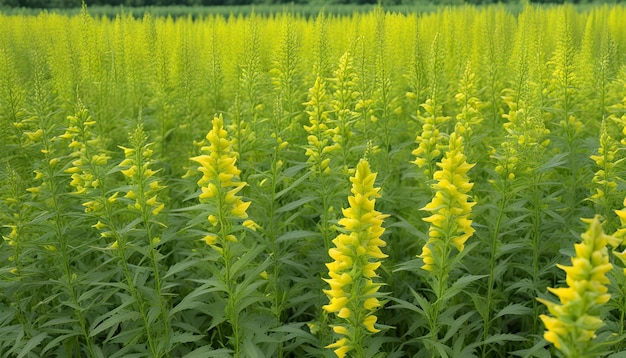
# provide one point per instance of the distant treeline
(50, 4)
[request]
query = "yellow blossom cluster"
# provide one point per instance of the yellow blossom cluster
(352, 293)
(136, 167)
(344, 84)
(573, 323)
(620, 235)
(605, 159)
(525, 139)
(320, 136)
(220, 181)
(450, 207)
(82, 141)
(470, 104)
(430, 140)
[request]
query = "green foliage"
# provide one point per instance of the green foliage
(116, 244)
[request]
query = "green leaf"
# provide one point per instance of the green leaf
(293, 185)
(180, 266)
(295, 235)
(503, 338)
(181, 337)
(58, 341)
(114, 318)
(459, 285)
(515, 309)
(190, 301)
(31, 344)
(295, 204)
(457, 324)
(207, 351)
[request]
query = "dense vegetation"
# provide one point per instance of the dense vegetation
(380, 184)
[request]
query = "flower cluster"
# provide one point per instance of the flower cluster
(352, 293)
(467, 99)
(136, 167)
(86, 156)
(525, 140)
(220, 182)
(450, 207)
(574, 321)
(604, 178)
(620, 235)
(430, 141)
(343, 104)
(320, 138)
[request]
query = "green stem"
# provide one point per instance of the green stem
(535, 247)
(492, 265)
(64, 248)
(145, 217)
(134, 293)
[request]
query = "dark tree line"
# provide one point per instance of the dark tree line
(49, 4)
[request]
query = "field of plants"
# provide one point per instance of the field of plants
(446, 184)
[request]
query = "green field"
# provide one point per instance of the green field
(367, 184)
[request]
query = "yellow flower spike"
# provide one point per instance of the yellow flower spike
(217, 165)
(352, 293)
(450, 209)
(572, 327)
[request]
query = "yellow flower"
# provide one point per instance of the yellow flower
(210, 239)
(158, 209)
(450, 225)
(251, 225)
(220, 182)
(99, 225)
(354, 260)
(341, 347)
(572, 325)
